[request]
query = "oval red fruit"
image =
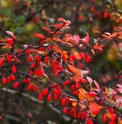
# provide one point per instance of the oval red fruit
(16, 84)
(49, 97)
(40, 96)
(30, 86)
(14, 69)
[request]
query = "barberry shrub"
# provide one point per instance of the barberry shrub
(66, 58)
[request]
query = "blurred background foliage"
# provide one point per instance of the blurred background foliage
(24, 17)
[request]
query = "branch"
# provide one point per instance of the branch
(24, 110)
(66, 118)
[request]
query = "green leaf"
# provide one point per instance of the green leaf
(21, 20)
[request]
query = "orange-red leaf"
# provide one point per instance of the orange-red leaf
(39, 35)
(86, 39)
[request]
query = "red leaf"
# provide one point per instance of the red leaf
(86, 39)
(76, 38)
(11, 34)
(57, 25)
(47, 29)
(97, 85)
(39, 35)
(89, 80)
(60, 19)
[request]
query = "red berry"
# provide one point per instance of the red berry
(16, 84)
(54, 85)
(8, 79)
(72, 87)
(45, 91)
(28, 80)
(29, 58)
(113, 117)
(4, 81)
(81, 55)
(96, 112)
(37, 57)
(9, 58)
(41, 49)
(76, 92)
(72, 58)
(66, 82)
(33, 65)
(79, 115)
(49, 97)
(84, 114)
(35, 19)
(40, 96)
(89, 121)
(24, 81)
(104, 118)
(88, 58)
(63, 102)
(65, 110)
(55, 96)
(30, 86)
(83, 81)
(59, 91)
(12, 77)
(1, 62)
(41, 72)
(35, 87)
(46, 59)
(71, 111)
(77, 85)
(93, 94)
(14, 69)
(110, 109)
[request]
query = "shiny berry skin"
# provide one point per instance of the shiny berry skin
(72, 87)
(9, 58)
(46, 59)
(8, 79)
(14, 69)
(29, 58)
(28, 80)
(16, 84)
(49, 97)
(104, 118)
(63, 102)
(93, 94)
(37, 58)
(88, 58)
(35, 87)
(55, 96)
(4, 81)
(89, 121)
(40, 96)
(45, 91)
(76, 92)
(12, 77)
(66, 82)
(110, 109)
(65, 109)
(30, 86)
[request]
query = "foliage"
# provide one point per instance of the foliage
(60, 66)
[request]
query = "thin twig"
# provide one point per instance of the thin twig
(25, 111)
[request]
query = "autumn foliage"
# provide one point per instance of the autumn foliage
(56, 69)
